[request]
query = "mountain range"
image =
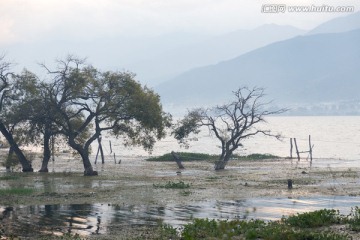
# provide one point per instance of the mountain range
(319, 67)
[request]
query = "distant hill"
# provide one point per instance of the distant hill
(340, 24)
(152, 58)
(305, 69)
(160, 64)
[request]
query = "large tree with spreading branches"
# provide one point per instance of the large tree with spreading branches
(84, 102)
(231, 123)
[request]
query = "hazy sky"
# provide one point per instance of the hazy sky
(30, 20)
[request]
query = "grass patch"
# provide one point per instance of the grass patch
(256, 156)
(354, 219)
(212, 178)
(319, 218)
(254, 229)
(305, 226)
(187, 157)
(17, 191)
(9, 177)
(185, 193)
(173, 185)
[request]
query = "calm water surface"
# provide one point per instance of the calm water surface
(88, 219)
(332, 137)
(337, 139)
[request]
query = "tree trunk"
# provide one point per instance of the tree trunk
(101, 151)
(8, 162)
(26, 165)
(177, 160)
(47, 153)
(221, 163)
(88, 170)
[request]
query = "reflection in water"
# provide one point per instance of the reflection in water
(88, 219)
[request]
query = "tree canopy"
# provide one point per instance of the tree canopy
(80, 102)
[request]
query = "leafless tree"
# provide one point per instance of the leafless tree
(231, 123)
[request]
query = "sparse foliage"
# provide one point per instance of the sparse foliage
(230, 123)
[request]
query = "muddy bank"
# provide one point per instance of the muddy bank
(128, 188)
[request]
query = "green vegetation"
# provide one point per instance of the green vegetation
(258, 229)
(256, 156)
(11, 161)
(354, 219)
(73, 102)
(305, 226)
(16, 191)
(232, 123)
(186, 157)
(173, 185)
(314, 219)
(9, 177)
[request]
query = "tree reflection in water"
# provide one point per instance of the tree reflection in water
(86, 219)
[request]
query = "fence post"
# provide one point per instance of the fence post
(291, 148)
(297, 150)
(310, 148)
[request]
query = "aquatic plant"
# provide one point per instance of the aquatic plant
(173, 185)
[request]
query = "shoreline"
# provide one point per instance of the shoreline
(130, 185)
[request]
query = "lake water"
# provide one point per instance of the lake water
(86, 219)
(335, 137)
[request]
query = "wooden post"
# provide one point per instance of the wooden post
(290, 184)
(177, 160)
(97, 154)
(310, 148)
(297, 150)
(110, 147)
(291, 148)
(100, 150)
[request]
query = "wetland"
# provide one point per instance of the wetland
(131, 198)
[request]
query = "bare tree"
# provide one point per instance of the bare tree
(231, 123)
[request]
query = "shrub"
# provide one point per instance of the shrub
(173, 185)
(319, 218)
(354, 219)
(184, 157)
(252, 230)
